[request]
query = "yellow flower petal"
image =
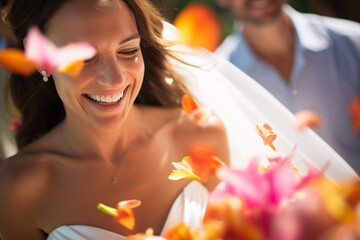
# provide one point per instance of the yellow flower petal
(73, 69)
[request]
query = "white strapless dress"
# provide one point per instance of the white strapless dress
(188, 207)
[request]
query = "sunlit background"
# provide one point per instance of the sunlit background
(211, 20)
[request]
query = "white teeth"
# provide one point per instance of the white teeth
(108, 99)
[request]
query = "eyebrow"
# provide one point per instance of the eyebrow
(134, 36)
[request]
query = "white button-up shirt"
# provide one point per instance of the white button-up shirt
(325, 74)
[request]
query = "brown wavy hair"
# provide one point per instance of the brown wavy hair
(38, 103)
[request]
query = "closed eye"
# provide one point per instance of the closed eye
(129, 53)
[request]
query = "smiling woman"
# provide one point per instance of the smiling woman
(110, 133)
(100, 135)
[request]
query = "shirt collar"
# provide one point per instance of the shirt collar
(310, 36)
(246, 59)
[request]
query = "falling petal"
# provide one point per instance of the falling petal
(199, 25)
(307, 118)
(48, 57)
(41, 50)
(123, 214)
(183, 170)
(354, 111)
(71, 58)
(188, 104)
(203, 160)
(201, 164)
(72, 69)
(266, 133)
(14, 60)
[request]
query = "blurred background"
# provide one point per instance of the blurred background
(346, 9)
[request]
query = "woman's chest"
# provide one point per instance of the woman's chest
(76, 192)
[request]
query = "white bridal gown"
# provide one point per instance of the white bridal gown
(240, 110)
(188, 207)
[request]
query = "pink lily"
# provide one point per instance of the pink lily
(261, 189)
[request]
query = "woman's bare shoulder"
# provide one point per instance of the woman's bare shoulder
(205, 127)
(24, 180)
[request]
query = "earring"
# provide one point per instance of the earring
(44, 74)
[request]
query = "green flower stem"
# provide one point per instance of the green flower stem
(108, 210)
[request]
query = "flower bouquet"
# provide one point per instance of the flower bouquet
(269, 199)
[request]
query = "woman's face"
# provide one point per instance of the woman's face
(105, 90)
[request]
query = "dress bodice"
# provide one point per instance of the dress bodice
(188, 207)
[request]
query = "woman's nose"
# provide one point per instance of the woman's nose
(111, 75)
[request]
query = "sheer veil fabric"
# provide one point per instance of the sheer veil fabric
(241, 110)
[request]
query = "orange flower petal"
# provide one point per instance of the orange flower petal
(354, 110)
(307, 118)
(14, 60)
(73, 69)
(178, 232)
(203, 160)
(267, 134)
(125, 214)
(199, 25)
(200, 165)
(188, 104)
(126, 218)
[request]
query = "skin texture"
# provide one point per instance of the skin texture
(267, 29)
(60, 178)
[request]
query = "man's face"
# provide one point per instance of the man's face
(257, 12)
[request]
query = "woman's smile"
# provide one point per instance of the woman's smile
(107, 102)
(105, 99)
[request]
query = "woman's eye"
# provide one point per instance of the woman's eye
(129, 53)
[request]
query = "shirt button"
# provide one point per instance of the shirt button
(294, 92)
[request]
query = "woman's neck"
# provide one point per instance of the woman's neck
(81, 139)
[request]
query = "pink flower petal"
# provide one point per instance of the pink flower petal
(74, 52)
(41, 50)
(49, 57)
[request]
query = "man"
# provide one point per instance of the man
(306, 61)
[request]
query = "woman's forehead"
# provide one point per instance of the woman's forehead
(79, 19)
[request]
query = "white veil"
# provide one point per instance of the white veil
(243, 106)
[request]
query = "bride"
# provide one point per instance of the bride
(111, 133)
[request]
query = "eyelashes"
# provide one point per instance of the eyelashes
(130, 53)
(123, 53)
